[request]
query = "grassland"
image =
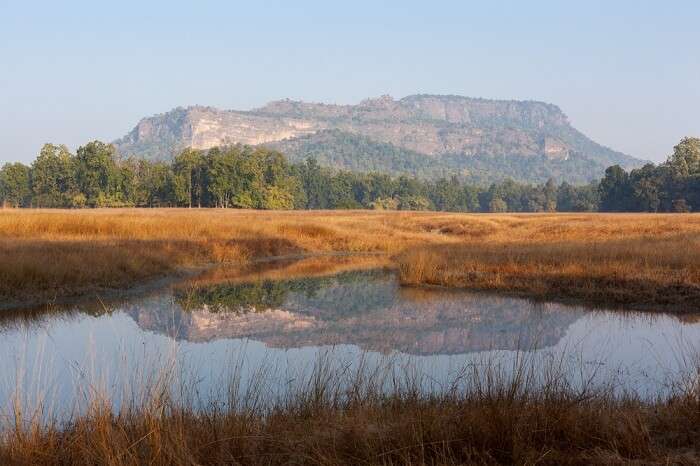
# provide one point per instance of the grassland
(47, 254)
(637, 260)
(643, 261)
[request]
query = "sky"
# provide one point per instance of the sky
(627, 73)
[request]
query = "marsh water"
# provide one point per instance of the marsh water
(205, 333)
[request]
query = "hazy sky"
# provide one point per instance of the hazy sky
(627, 73)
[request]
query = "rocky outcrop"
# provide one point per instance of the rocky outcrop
(433, 126)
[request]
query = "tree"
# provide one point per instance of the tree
(550, 196)
(680, 206)
(221, 179)
(577, 198)
(53, 177)
(615, 191)
(315, 182)
(685, 159)
(188, 181)
(97, 174)
(498, 205)
(156, 186)
(15, 185)
(341, 195)
(413, 202)
(446, 194)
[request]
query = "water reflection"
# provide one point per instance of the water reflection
(227, 322)
(363, 308)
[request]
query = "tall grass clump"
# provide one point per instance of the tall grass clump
(522, 414)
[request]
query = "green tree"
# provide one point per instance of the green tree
(413, 202)
(615, 190)
(97, 174)
(188, 181)
(15, 185)
(680, 206)
(53, 177)
(648, 186)
(498, 205)
(550, 196)
(685, 159)
(315, 182)
(156, 188)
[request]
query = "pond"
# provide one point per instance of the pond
(273, 331)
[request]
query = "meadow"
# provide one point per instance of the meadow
(641, 261)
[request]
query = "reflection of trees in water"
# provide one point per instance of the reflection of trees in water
(350, 292)
(365, 308)
(368, 309)
(38, 316)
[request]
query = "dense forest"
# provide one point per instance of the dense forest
(260, 178)
(356, 153)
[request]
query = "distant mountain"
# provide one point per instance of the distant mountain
(425, 135)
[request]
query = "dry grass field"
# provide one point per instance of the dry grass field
(46, 254)
(637, 260)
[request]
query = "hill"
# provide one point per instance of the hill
(423, 135)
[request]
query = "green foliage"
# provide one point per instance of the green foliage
(615, 190)
(498, 205)
(189, 168)
(53, 180)
(15, 185)
(673, 186)
(259, 178)
(577, 198)
(97, 175)
(339, 150)
(685, 160)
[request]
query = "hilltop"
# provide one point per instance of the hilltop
(424, 135)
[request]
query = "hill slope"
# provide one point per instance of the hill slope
(422, 135)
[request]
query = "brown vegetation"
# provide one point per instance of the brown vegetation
(490, 420)
(640, 261)
(637, 260)
(45, 254)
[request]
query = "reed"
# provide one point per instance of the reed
(526, 415)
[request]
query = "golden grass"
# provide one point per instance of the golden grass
(492, 421)
(640, 260)
(636, 261)
(294, 267)
(46, 254)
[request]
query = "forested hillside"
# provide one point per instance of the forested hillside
(347, 151)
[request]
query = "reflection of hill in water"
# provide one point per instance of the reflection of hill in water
(367, 309)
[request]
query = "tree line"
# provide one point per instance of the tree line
(259, 178)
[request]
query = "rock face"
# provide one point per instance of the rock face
(449, 130)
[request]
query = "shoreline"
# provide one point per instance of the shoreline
(646, 262)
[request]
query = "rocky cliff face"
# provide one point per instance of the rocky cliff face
(436, 125)
(432, 126)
